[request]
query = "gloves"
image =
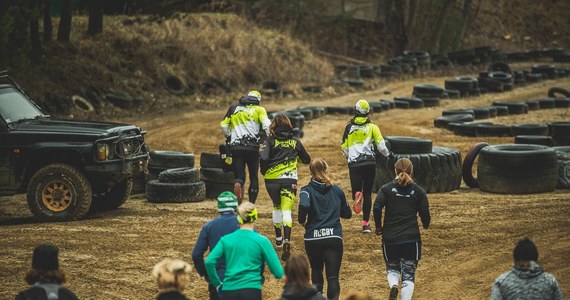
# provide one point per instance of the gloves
(378, 230)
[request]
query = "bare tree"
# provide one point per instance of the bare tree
(48, 28)
(438, 30)
(95, 25)
(64, 30)
(35, 46)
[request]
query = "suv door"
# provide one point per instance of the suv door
(8, 183)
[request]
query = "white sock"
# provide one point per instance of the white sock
(407, 290)
(393, 278)
(277, 217)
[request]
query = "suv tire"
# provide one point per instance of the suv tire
(70, 198)
(113, 197)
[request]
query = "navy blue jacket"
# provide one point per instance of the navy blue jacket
(209, 236)
(322, 207)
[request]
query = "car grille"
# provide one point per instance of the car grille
(131, 147)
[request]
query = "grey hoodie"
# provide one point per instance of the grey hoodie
(526, 284)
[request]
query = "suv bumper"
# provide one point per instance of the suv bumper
(119, 168)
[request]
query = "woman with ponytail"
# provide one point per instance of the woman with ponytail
(321, 206)
(401, 242)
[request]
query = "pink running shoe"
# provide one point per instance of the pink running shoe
(238, 192)
(357, 203)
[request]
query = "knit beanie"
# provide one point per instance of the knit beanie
(45, 258)
(525, 250)
(227, 202)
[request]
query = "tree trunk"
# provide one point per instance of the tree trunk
(64, 30)
(95, 25)
(400, 34)
(48, 28)
(412, 14)
(35, 50)
(438, 30)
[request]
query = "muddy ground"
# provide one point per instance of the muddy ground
(470, 241)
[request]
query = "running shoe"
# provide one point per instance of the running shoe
(238, 191)
(286, 251)
(279, 242)
(393, 293)
(357, 202)
(366, 228)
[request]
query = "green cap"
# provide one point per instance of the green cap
(227, 201)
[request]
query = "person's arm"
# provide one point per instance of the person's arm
(379, 141)
(264, 120)
(496, 291)
(344, 141)
(199, 250)
(212, 261)
(557, 293)
(345, 211)
(264, 155)
(225, 124)
(378, 206)
(271, 258)
(424, 208)
(303, 155)
(304, 206)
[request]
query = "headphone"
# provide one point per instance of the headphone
(249, 218)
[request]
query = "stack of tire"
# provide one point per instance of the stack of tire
(430, 94)
(422, 57)
(436, 169)
(173, 178)
(299, 115)
(512, 169)
(214, 177)
(465, 85)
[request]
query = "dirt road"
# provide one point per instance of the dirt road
(110, 255)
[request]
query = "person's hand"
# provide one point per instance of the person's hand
(219, 289)
(228, 139)
(391, 155)
(378, 230)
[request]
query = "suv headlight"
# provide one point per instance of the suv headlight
(103, 152)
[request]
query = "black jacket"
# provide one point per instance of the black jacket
(279, 155)
(308, 293)
(402, 207)
(322, 207)
(171, 295)
(38, 293)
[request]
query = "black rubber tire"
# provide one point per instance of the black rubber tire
(174, 84)
(468, 161)
(429, 90)
(436, 172)
(546, 103)
(501, 110)
(179, 175)
(414, 102)
(449, 112)
(544, 140)
(72, 179)
(481, 113)
(505, 78)
(318, 111)
(210, 160)
(171, 159)
(161, 192)
(500, 66)
(459, 85)
(376, 107)
(467, 129)
(515, 108)
(532, 104)
(545, 69)
(563, 156)
(453, 94)
(529, 129)
(533, 77)
(561, 102)
(517, 169)
(409, 145)
(444, 121)
(82, 103)
(120, 100)
(560, 132)
(299, 133)
(493, 130)
(214, 189)
(312, 89)
(429, 101)
(113, 197)
(216, 175)
(492, 110)
(402, 104)
(391, 103)
(558, 90)
(307, 113)
(492, 85)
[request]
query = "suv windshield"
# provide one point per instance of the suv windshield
(14, 106)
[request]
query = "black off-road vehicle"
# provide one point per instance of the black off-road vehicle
(66, 168)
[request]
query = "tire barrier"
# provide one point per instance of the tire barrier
(544, 140)
(560, 133)
(171, 159)
(165, 192)
(517, 169)
(409, 145)
(529, 129)
(467, 168)
(174, 84)
(563, 157)
(436, 172)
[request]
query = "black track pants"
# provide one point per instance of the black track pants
(241, 159)
(361, 180)
(325, 253)
(244, 294)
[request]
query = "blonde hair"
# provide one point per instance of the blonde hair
(318, 169)
(404, 171)
(171, 274)
(247, 212)
(279, 120)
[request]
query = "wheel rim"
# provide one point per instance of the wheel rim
(57, 196)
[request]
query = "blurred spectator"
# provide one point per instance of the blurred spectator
(526, 280)
(211, 233)
(246, 253)
(171, 276)
(45, 277)
(298, 286)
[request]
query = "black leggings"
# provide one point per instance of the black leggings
(361, 180)
(240, 159)
(243, 294)
(325, 253)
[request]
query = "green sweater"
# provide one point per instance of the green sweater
(245, 252)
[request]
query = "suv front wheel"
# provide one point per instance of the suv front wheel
(112, 198)
(59, 192)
